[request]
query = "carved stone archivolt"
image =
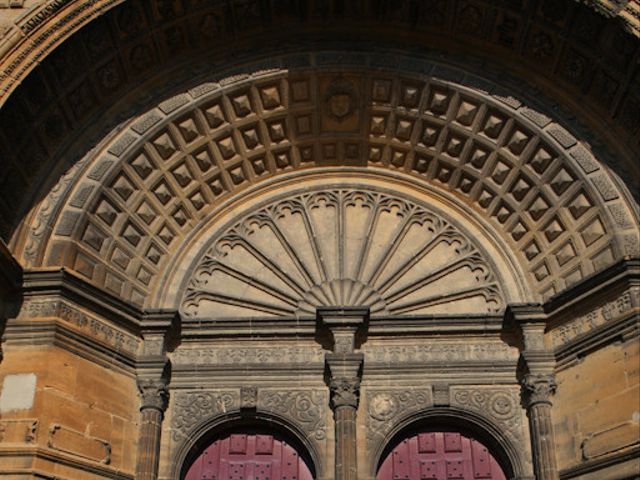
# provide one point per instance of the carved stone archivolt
(133, 203)
(338, 246)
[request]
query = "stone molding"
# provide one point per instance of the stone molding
(57, 456)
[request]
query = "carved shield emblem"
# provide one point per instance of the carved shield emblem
(340, 105)
(340, 100)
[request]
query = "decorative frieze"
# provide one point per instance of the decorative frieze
(89, 325)
(192, 407)
(247, 355)
(594, 319)
(384, 407)
(307, 408)
(441, 351)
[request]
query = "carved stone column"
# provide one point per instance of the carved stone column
(538, 391)
(538, 386)
(153, 376)
(345, 367)
(345, 393)
(153, 405)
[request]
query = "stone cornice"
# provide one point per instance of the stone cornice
(61, 458)
(65, 284)
(591, 466)
(306, 326)
(619, 276)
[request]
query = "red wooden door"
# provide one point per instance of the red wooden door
(440, 456)
(245, 456)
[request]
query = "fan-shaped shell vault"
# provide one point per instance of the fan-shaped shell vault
(342, 246)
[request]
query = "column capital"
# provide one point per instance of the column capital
(345, 392)
(539, 388)
(153, 394)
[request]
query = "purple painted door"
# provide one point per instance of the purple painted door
(440, 456)
(245, 456)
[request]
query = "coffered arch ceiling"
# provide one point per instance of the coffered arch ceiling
(464, 122)
(66, 86)
(132, 202)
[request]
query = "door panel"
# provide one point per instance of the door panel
(249, 457)
(440, 456)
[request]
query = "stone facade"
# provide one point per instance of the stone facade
(337, 221)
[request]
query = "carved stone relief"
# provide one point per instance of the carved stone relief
(586, 323)
(502, 405)
(246, 355)
(337, 246)
(89, 325)
(306, 408)
(441, 351)
(190, 408)
(384, 407)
